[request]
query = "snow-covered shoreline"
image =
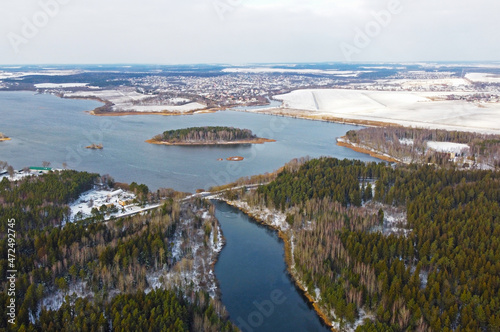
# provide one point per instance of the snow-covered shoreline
(343, 141)
(276, 220)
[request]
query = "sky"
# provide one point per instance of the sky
(247, 31)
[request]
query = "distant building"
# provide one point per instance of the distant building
(41, 169)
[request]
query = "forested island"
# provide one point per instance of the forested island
(404, 248)
(208, 136)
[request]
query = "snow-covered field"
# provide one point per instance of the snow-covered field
(117, 97)
(395, 220)
(59, 85)
(83, 206)
(118, 201)
(417, 109)
(483, 77)
(45, 72)
(179, 100)
(406, 141)
(260, 70)
(129, 100)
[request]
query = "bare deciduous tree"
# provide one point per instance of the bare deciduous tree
(11, 171)
(3, 165)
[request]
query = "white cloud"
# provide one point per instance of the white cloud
(191, 31)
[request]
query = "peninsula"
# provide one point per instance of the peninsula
(208, 136)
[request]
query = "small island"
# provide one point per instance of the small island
(4, 138)
(95, 146)
(236, 158)
(208, 136)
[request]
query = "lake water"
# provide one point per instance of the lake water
(254, 283)
(48, 128)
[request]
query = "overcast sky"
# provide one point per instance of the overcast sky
(247, 31)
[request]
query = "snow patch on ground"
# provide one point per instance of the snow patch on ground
(56, 299)
(363, 315)
(447, 146)
(179, 100)
(119, 203)
(395, 224)
(317, 293)
(406, 141)
(273, 218)
(217, 247)
(395, 220)
(423, 275)
(4, 75)
(193, 260)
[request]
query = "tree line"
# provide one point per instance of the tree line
(205, 134)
